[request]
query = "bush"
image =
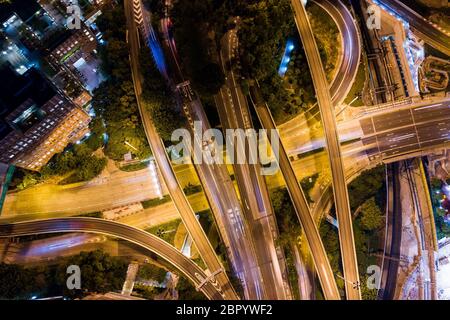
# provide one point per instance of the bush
(151, 272)
(186, 291)
(371, 216)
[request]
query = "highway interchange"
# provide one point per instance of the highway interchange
(386, 134)
(178, 197)
(341, 201)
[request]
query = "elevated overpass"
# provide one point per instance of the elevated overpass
(348, 251)
(322, 265)
(139, 237)
(187, 214)
(347, 66)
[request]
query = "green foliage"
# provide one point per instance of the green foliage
(24, 179)
(367, 185)
(100, 273)
(158, 99)
(286, 217)
(114, 100)
(330, 240)
(366, 293)
(98, 130)
(147, 292)
(77, 160)
(193, 22)
(96, 214)
(327, 37)
(371, 216)
(151, 272)
(292, 273)
(135, 166)
(442, 227)
(80, 161)
(307, 184)
(21, 283)
(366, 191)
(265, 27)
(190, 189)
(436, 183)
(186, 291)
(155, 202)
(358, 86)
(166, 231)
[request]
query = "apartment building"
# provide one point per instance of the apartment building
(36, 120)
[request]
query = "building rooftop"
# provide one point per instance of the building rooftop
(25, 9)
(21, 92)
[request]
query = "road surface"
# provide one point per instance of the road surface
(301, 206)
(119, 230)
(187, 214)
(344, 217)
(347, 68)
(220, 191)
(258, 212)
(393, 233)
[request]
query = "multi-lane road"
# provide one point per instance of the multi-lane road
(139, 237)
(219, 188)
(323, 267)
(187, 214)
(347, 244)
(235, 114)
(132, 187)
(418, 128)
(408, 130)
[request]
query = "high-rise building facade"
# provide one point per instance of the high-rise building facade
(36, 120)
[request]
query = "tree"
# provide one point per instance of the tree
(114, 100)
(165, 120)
(331, 243)
(211, 79)
(366, 293)
(98, 131)
(366, 185)
(186, 290)
(288, 223)
(151, 272)
(158, 100)
(371, 216)
(100, 272)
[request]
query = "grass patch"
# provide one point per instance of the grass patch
(97, 214)
(151, 272)
(166, 231)
(358, 86)
(135, 166)
(191, 189)
(292, 274)
(155, 202)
